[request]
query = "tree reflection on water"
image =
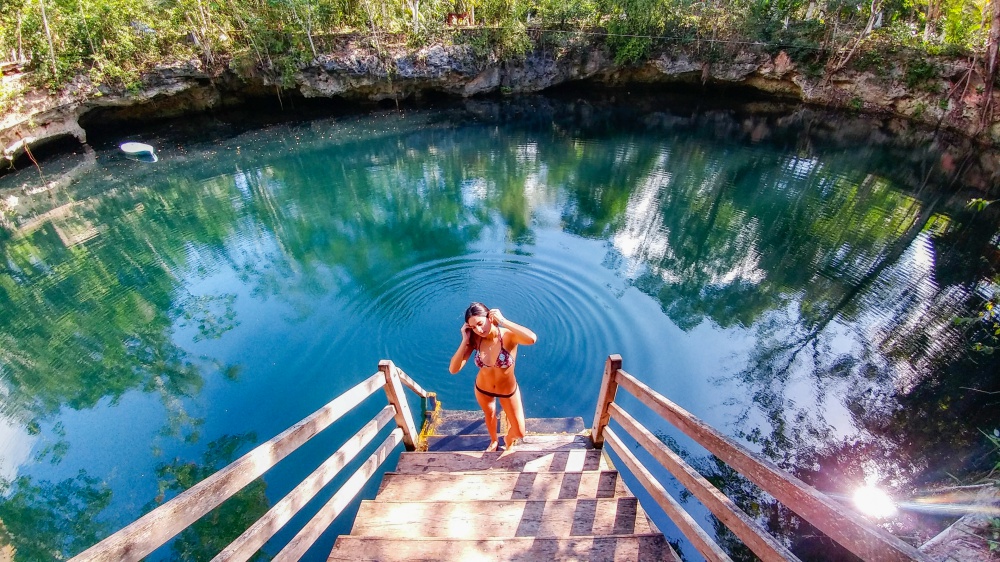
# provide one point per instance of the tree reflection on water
(848, 277)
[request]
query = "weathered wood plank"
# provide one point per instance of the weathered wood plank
(701, 540)
(326, 514)
(460, 422)
(848, 528)
(609, 388)
(468, 422)
(411, 384)
(149, 532)
(636, 548)
(501, 518)
(518, 460)
(553, 443)
(760, 542)
(248, 543)
(394, 393)
(501, 486)
(473, 442)
(528, 443)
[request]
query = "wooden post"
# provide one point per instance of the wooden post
(609, 387)
(394, 392)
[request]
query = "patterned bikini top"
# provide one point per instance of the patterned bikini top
(504, 359)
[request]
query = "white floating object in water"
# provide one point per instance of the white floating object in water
(139, 149)
(136, 148)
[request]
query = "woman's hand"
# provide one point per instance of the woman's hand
(496, 317)
(466, 333)
(521, 334)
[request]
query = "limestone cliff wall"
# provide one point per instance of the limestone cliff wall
(952, 101)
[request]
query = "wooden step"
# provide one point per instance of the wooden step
(501, 518)
(460, 422)
(485, 485)
(471, 422)
(636, 547)
(516, 461)
(458, 442)
(529, 443)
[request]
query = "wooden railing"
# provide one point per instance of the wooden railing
(849, 529)
(154, 529)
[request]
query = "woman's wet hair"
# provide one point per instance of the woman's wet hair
(476, 309)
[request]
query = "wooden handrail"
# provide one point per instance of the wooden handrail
(308, 535)
(760, 542)
(705, 544)
(609, 388)
(154, 529)
(844, 526)
(411, 384)
(248, 543)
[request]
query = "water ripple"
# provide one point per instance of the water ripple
(574, 306)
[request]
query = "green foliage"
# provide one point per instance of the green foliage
(631, 25)
(962, 24)
(803, 41)
(562, 13)
(505, 42)
(987, 325)
(920, 73)
(993, 534)
(877, 54)
(10, 91)
(511, 40)
(980, 204)
(115, 41)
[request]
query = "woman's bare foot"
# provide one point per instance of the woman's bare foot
(492, 447)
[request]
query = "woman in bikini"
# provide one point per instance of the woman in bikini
(495, 340)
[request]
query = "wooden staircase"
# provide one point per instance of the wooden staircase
(554, 497)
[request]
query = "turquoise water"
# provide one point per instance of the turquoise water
(795, 290)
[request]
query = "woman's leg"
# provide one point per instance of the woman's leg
(515, 418)
(489, 406)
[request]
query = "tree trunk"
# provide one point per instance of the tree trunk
(874, 15)
(876, 9)
(83, 18)
(992, 44)
(994, 41)
(206, 42)
(415, 8)
(306, 24)
(929, 21)
(48, 35)
(20, 40)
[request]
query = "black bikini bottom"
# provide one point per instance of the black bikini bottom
(495, 395)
